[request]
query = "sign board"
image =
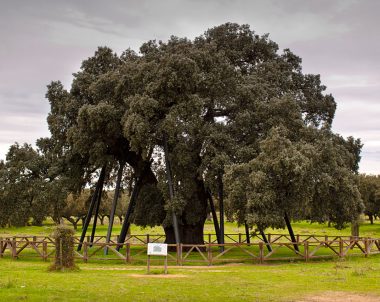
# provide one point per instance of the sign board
(157, 249)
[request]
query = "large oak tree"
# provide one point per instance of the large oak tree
(214, 100)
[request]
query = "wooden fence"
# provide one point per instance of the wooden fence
(133, 250)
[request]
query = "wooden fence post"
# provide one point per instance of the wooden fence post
(341, 248)
(269, 238)
(366, 247)
(1, 247)
(239, 237)
(209, 254)
(261, 252)
(85, 251)
(178, 251)
(14, 248)
(44, 250)
(128, 251)
(209, 238)
(306, 250)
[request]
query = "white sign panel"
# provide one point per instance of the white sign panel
(157, 249)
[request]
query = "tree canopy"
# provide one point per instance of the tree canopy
(231, 107)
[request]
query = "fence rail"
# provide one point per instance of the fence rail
(279, 247)
(208, 238)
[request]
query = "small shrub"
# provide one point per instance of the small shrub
(64, 252)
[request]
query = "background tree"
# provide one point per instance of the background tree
(369, 186)
(75, 208)
(22, 179)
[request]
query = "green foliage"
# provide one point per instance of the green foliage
(22, 182)
(369, 186)
(310, 177)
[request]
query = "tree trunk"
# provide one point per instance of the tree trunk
(73, 221)
(96, 214)
(370, 216)
(214, 216)
(114, 204)
(291, 233)
(191, 233)
(355, 229)
(265, 239)
(171, 191)
(83, 219)
(221, 208)
(247, 235)
(94, 199)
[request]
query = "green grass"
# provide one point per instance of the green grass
(28, 279)
(31, 281)
(303, 227)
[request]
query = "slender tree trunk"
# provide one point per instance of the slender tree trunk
(96, 213)
(101, 218)
(262, 233)
(214, 216)
(221, 208)
(247, 235)
(114, 204)
(171, 190)
(291, 233)
(91, 208)
(370, 216)
(145, 177)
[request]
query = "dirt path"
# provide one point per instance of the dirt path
(332, 296)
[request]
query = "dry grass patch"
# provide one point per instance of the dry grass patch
(336, 296)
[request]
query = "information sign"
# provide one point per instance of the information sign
(157, 249)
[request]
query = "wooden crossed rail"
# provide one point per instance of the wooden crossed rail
(209, 253)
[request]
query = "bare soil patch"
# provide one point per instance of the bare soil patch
(161, 276)
(112, 268)
(332, 296)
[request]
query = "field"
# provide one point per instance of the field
(352, 279)
(366, 229)
(31, 281)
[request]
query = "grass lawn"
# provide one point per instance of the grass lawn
(28, 279)
(303, 227)
(31, 281)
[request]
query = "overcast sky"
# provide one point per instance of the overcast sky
(46, 40)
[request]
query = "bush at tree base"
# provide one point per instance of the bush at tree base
(64, 252)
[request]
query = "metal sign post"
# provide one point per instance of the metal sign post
(158, 249)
